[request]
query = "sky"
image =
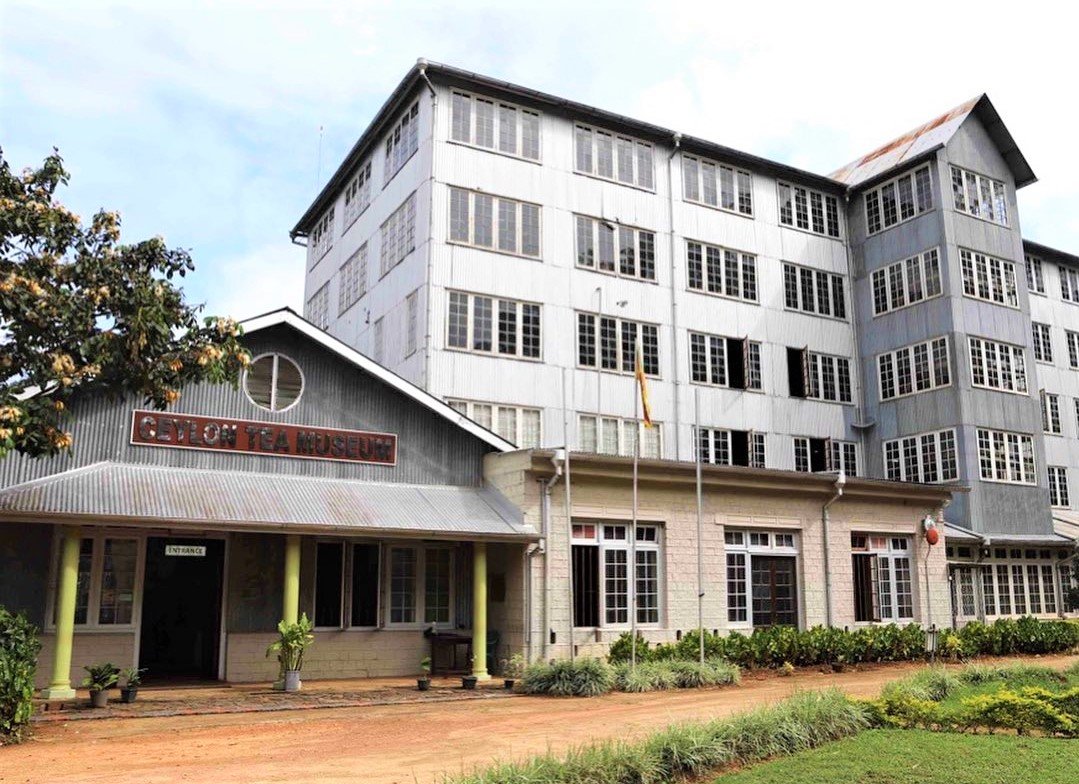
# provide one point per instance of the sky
(213, 124)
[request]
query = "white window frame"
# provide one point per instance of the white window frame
(397, 236)
(743, 264)
(1072, 339)
(987, 358)
(1051, 422)
(600, 425)
(490, 416)
(888, 366)
(984, 277)
(321, 238)
(745, 542)
(1042, 336)
(637, 146)
(357, 195)
(352, 285)
(318, 307)
(277, 357)
(623, 368)
(890, 550)
(704, 172)
(1059, 496)
(1069, 284)
(1008, 453)
(519, 150)
(816, 375)
(419, 588)
(347, 567)
(520, 342)
(757, 446)
(602, 534)
(402, 142)
(811, 302)
(998, 196)
(1006, 563)
(932, 446)
(93, 604)
(827, 201)
(874, 199)
(913, 278)
(1035, 274)
(641, 238)
(497, 229)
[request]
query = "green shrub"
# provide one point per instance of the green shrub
(1021, 713)
(564, 678)
(19, 647)
(622, 651)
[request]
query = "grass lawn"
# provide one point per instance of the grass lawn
(920, 757)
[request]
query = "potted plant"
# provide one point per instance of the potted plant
(469, 682)
(512, 669)
(132, 680)
(423, 683)
(292, 641)
(99, 679)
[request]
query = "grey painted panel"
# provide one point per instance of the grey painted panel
(24, 568)
(256, 582)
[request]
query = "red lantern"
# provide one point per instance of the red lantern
(932, 536)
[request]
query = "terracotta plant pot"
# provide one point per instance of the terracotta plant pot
(99, 698)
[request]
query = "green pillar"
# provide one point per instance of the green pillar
(290, 611)
(66, 585)
(479, 611)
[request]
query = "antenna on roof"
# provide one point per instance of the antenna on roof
(318, 169)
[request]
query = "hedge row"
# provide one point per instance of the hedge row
(693, 749)
(588, 677)
(19, 647)
(779, 645)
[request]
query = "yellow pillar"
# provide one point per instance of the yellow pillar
(290, 612)
(479, 611)
(67, 583)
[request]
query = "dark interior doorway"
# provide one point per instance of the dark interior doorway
(181, 608)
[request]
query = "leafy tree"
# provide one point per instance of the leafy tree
(81, 313)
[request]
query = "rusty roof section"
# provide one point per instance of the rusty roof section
(932, 135)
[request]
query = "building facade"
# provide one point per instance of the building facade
(507, 250)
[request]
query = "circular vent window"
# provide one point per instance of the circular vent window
(273, 382)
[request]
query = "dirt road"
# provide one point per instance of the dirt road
(394, 744)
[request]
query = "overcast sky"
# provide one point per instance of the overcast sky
(200, 121)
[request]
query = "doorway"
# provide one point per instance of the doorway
(774, 591)
(181, 608)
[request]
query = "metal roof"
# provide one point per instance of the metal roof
(109, 492)
(960, 534)
(288, 317)
(932, 135)
(1053, 254)
(955, 532)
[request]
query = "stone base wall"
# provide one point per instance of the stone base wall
(86, 648)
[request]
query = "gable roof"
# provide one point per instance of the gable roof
(289, 318)
(933, 135)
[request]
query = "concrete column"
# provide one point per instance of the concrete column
(479, 611)
(290, 611)
(66, 585)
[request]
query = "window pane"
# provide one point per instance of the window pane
(436, 604)
(365, 582)
(118, 581)
(329, 561)
(402, 585)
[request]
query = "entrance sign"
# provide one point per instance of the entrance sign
(220, 434)
(196, 550)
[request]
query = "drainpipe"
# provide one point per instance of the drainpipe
(421, 64)
(860, 411)
(840, 482)
(545, 526)
(674, 297)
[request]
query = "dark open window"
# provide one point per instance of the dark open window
(736, 363)
(796, 371)
(818, 454)
(329, 561)
(585, 585)
(365, 579)
(740, 447)
(866, 597)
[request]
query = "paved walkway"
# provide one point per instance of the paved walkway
(392, 744)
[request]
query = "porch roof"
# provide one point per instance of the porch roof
(121, 493)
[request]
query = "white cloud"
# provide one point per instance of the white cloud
(250, 283)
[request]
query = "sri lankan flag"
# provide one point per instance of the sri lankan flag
(642, 382)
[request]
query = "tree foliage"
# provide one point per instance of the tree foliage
(81, 313)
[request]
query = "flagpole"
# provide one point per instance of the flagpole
(700, 517)
(569, 516)
(632, 566)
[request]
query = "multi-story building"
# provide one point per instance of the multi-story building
(508, 250)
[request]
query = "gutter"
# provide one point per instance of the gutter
(545, 532)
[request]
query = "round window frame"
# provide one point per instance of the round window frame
(295, 364)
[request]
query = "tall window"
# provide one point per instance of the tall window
(402, 142)
(825, 454)
(883, 584)
(988, 278)
(979, 196)
(724, 362)
(318, 307)
(906, 282)
(352, 280)
(610, 343)
(614, 436)
(106, 586)
(1006, 457)
(1043, 346)
(321, 239)
(601, 555)
(358, 194)
(613, 157)
(420, 585)
(518, 425)
(347, 584)
(490, 325)
(761, 584)
(412, 318)
(1058, 486)
(1073, 347)
(808, 210)
(1035, 275)
(616, 249)
(721, 271)
(898, 200)
(813, 291)
(1051, 413)
(494, 223)
(1016, 581)
(999, 366)
(495, 125)
(731, 447)
(819, 376)
(913, 369)
(925, 458)
(398, 235)
(716, 185)
(1069, 284)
